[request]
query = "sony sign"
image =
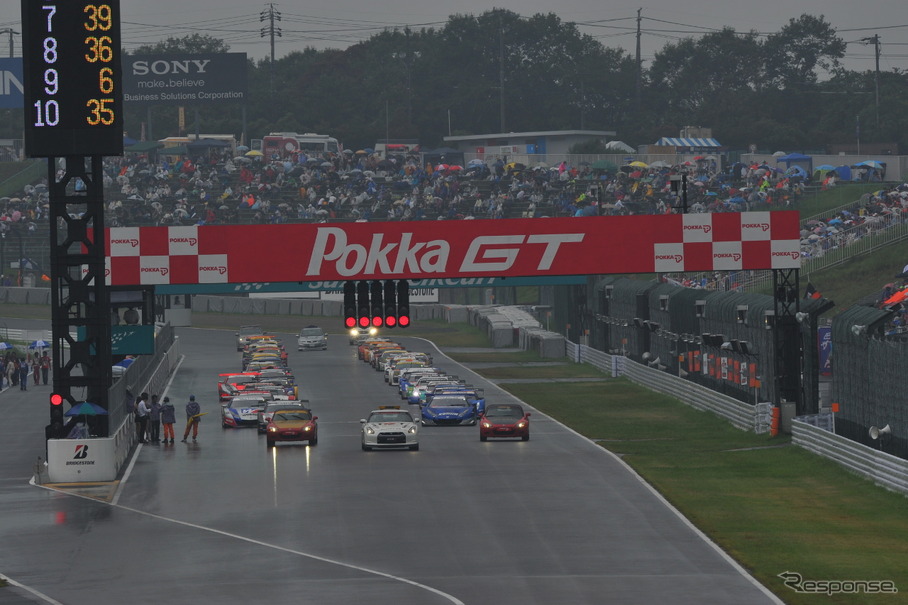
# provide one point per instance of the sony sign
(180, 79)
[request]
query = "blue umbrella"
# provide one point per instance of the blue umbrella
(38, 344)
(5, 347)
(86, 409)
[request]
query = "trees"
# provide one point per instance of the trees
(501, 71)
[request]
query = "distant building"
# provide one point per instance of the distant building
(556, 142)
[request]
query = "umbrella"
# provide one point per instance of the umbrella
(38, 344)
(5, 347)
(86, 409)
(898, 297)
(242, 148)
(255, 153)
(475, 162)
(604, 165)
(639, 164)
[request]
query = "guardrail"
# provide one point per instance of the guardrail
(748, 417)
(883, 469)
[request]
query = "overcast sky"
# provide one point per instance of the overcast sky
(340, 23)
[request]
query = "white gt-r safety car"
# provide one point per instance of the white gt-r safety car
(389, 427)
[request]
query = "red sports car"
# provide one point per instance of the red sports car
(232, 383)
(504, 420)
(292, 424)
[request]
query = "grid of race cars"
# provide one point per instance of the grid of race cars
(264, 394)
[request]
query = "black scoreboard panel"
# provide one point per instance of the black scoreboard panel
(71, 63)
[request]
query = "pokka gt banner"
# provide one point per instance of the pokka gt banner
(452, 249)
(193, 79)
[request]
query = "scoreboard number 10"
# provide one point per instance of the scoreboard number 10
(72, 77)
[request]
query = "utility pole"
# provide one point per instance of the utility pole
(11, 33)
(271, 30)
(638, 85)
(875, 40)
(501, 70)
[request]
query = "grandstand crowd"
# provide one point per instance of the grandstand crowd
(221, 188)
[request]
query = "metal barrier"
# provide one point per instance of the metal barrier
(883, 469)
(756, 418)
(811, 433)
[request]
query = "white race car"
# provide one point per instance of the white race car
(389, 426)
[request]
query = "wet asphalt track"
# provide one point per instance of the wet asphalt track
(555, 520)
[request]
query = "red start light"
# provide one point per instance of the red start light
(56, 399)
(377, 321)
(364, 322)
(350, 322)
(403, 321)
(390, 321)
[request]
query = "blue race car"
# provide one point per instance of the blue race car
(475, 396)
(445, 410)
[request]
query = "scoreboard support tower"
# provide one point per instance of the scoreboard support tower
(80, 299)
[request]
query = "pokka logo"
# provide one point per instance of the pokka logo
(162, 270)
(793, 254)
(184, 240)
(735, 256)
(220, 269)
(703, 228)
(760, 226)
(678, 258)
(132, 242)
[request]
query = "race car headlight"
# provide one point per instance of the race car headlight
(353, 332)
(412, 430)
(373, 331)
(521, 424)
(272, 429)
(308, 428)
(370, 430)
(486, 425)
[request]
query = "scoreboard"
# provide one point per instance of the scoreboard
(71, 61)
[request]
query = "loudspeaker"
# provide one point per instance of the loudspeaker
(876, 433)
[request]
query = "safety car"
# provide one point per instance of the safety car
(243, 334)
(389, 427)
(312, 337)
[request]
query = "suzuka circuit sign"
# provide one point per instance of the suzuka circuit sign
(453, 249)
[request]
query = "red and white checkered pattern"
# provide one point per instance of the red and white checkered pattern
(729, 242)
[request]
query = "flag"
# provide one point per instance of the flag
(812, 292)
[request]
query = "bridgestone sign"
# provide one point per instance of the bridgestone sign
(213, 254)
(195, 79)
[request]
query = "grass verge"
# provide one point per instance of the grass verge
(774, 509)
(570, 370)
